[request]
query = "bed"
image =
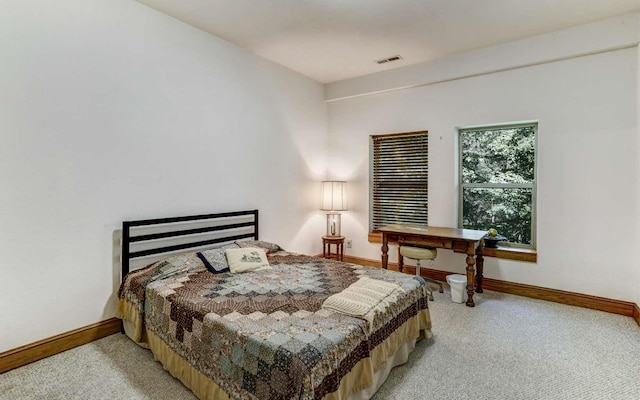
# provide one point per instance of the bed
(273, 329)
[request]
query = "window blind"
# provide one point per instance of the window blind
(399, 179)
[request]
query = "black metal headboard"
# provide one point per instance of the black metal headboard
(150, 237)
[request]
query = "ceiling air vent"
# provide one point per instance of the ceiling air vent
(390, 59)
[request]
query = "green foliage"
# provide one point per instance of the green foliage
(506, 210)
(498, 174)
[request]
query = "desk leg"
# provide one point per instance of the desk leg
(385, 250)
(470, 273)
(479, 267)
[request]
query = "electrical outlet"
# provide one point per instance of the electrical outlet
(348, 243)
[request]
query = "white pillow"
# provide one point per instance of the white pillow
(247, 259)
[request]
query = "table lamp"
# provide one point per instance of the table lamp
(333, 199)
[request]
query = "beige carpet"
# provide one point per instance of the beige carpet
(507, 347)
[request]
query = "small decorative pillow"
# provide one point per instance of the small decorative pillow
(247, 259)
(215, 260)
(270, 247)
(178, 264)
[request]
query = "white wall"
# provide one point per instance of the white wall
(111, 111)
(588, 176)
(638, 160)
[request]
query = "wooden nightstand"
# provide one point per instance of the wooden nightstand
(327, 241)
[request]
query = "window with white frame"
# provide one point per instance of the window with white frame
(498, 180)
(398, 179)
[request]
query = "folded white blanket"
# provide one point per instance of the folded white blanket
(361, 298)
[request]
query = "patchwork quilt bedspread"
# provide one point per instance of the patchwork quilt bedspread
(264, 334)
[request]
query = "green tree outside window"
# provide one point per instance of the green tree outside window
(498, 180)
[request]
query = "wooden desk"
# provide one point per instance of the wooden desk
(458, 240)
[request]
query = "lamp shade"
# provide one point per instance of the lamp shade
(333, 196)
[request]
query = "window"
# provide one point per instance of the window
(399, 179)
(498, 180)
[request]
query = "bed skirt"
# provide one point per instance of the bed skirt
(359, 384)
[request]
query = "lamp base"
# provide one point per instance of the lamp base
(333, 224)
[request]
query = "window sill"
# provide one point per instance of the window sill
(507, 253)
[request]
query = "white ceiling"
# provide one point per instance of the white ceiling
(331, 40)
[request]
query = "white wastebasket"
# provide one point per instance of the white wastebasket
(458, 285)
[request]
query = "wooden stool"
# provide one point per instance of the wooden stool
(327, 241)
